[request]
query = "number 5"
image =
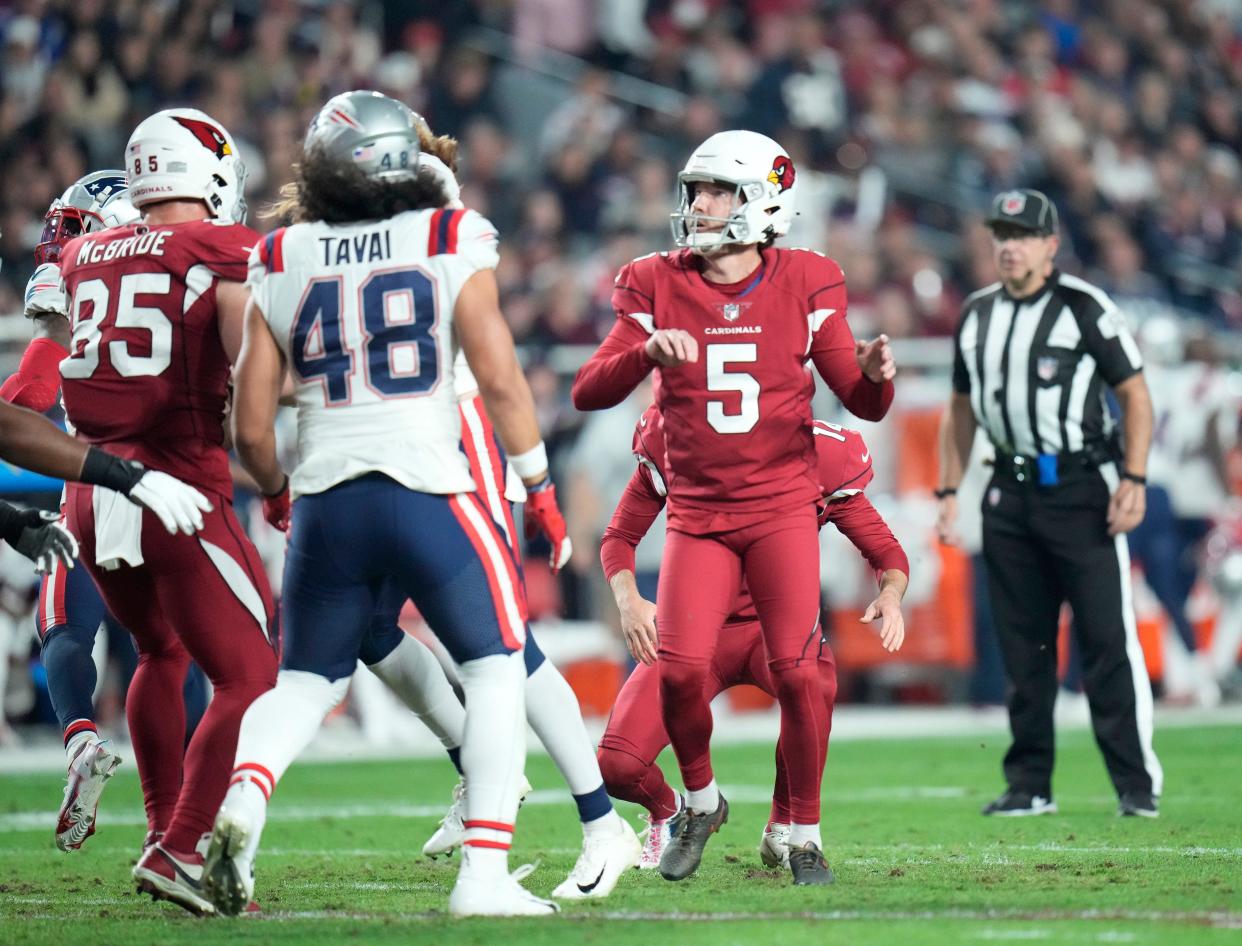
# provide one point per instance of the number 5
(719, 379)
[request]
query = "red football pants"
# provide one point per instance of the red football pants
(636, 736)
(204, 597)
(699, 581)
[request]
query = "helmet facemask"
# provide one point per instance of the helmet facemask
(746, 224)
(61, 224)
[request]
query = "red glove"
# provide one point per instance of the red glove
(543, 515)
(277, 509)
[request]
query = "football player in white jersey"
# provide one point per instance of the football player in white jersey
(610, 846)
(366, 301)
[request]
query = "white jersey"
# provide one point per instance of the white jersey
(364, 315)
(45, 294)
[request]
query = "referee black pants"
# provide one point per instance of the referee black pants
(1044, 546)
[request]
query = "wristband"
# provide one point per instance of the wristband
(284, 488)
(1134, 478)
(103, 469)
(545, 483)
(945, 493)
(533, 462)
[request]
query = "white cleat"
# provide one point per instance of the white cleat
(452, 831)
(478, 895)
(774, 847)
(89, 772)
(600, 865)
(228, 869)
(655, 838)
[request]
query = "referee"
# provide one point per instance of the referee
(1034, 354)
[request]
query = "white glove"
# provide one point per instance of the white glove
(180, 507)
(43, 544)
(44, 293)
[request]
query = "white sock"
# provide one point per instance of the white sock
(607, 825)
(282, 722)
(416, 678)
(553, 713)
(802, 834)
(493, 754)
(704, 800)
(78, 740)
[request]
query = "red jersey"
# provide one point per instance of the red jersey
(843, 470)
(738, 419)
(147, 373)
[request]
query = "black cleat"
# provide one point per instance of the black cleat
(809, 867)
(690, 831)
(1138, 804)
(1016, 803)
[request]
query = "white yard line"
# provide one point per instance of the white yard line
(342, 742)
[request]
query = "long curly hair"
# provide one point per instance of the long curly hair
(327, 190)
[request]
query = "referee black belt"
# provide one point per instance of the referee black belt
(1051, 469)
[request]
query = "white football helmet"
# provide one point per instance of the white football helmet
(182, 153)
(98, 201)
(763, 179)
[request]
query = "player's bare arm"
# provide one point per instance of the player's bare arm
(637, 617)
(31, 441)
(485, 338)
(957, 435)
(53, 326)
(258, 376)
(886, 608)
(1129, 501)
(488, 345)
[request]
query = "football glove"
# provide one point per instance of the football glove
(278, 508)
(543, 515)
(178, 506)
(40, 536)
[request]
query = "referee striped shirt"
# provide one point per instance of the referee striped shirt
(1036, 368)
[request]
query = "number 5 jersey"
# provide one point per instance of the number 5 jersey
(364, 315)
(147, 373)
(738, 420)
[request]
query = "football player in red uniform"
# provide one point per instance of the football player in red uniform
(636, 735)
(156, 312)
(729, 324)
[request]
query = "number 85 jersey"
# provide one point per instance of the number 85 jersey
(364, 315)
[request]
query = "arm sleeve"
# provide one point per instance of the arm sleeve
(832, 351)
(1107, 338)
(638, 508)
(621, 362)
(859, 522)
(616, 368)
(36, 382)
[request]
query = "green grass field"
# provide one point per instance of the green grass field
(915, 862)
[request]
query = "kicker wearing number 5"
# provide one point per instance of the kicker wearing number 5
(729, 324)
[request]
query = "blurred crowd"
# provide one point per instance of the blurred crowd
(903, 118)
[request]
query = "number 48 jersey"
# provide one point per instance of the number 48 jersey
(364, 315)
